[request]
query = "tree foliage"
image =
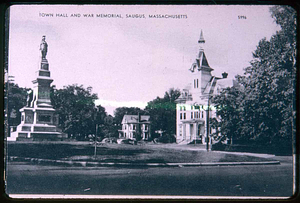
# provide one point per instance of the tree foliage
(262, 108)
(76, 109)
(230, 108)
(163, 112)
(16, 100)
(109, 128)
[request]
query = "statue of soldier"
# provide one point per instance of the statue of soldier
(44, 47)
(29, 97)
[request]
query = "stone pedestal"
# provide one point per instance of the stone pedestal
(38, 119)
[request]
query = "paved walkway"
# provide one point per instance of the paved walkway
(202, 147)
(113, 164)
(249, 154)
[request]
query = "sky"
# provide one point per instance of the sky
(130, 61)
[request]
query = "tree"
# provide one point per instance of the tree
(76, 109)
(109, 128)
(230, 109)
(264, 109)
(270, 81)
(163, 112)
(16, 100)
(99, 120)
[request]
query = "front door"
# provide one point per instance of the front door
(200, 131)
(184, 131)
(191, 131)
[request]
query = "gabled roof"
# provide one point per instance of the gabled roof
(202, 61)
(135, 119)
(224, 83)
(215, 83)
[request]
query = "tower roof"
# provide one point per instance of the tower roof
(201, 62)
(202, 59)
(201, 39)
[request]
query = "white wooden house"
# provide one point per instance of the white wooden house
(135, 127)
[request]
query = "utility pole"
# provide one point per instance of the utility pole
(138, 133)
(7, 114)
(208, 96)
(207, 124)
(95, 119)
(95, 150)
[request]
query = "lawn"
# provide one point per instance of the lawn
(160, 153)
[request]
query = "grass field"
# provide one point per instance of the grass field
(160, 153)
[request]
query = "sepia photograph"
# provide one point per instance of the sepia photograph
(150, 102)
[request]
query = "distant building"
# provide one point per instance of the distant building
(191, 106)
(135, 127)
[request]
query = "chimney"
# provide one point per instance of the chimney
(224, 75)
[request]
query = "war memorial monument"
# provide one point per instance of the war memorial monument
(38, 118)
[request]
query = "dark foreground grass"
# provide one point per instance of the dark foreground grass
(122, 153)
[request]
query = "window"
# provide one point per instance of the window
(191, 114)
(184, 116)
(202, 114)
(194, 83)
(133, 127)
(195, 114)
(180, 116)
(146, 127)
(197, 83)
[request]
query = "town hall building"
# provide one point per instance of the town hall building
(193, 103)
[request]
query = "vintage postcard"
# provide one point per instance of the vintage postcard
(150, 101)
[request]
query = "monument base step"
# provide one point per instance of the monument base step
(32, 136)
(43, 136)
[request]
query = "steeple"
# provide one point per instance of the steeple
(201, 62)
(201, 42)
(201, 39)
